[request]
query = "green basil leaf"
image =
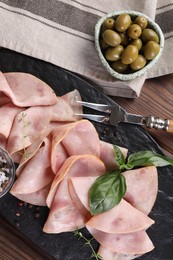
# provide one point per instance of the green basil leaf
(119, 157)
(147, 158)
(106, 192)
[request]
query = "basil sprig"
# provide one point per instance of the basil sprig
(108, 190)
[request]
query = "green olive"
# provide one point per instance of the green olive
(134, 31)
(124, 38)
(141, 21)
(151, 50)
(137, 43)
(149, 35)
(119, 66)
(111, 37)
(108, 24)
(122, 22)
(114, 53)
(103, 45)
(129, 54)
(139, 63)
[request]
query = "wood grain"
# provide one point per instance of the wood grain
(156, 99)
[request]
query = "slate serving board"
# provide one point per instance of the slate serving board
(66, 246)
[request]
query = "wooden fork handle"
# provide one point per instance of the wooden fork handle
(159, 124)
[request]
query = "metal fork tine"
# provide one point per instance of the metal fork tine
(98, 107)
(96, 118)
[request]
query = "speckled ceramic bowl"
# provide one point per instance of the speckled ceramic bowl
(150, 64)
(7, 172)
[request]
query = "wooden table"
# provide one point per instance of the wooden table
(156, 99)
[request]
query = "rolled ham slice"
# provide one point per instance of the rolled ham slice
(134, 243)
(26, 90)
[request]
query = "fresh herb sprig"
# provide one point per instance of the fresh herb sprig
(108, 190)
(88, 242)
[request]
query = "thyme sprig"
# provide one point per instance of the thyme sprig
(88, 243)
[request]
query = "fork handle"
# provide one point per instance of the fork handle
(159, 124)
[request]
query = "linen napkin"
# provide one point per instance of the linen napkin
(62, 32)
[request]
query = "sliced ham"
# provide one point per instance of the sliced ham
(108, 157)
(7, 115)
(64, 216)
(77, 165)
(37, 198)
(36, 174)
(66, 107)
(110, 255)
(27, 127)
(121, 220)
(134, 243)
(26, 90)
(75, 138)
(142, 188)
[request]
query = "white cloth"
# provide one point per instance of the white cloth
(62, 32)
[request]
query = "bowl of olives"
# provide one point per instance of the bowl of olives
(128, 43)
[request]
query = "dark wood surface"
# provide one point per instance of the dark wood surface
(156, 99)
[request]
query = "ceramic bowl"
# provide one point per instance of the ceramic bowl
(7, 172)
(150, 64)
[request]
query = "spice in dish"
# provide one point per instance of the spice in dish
(4, 173)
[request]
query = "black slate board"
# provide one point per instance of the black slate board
(66, 246)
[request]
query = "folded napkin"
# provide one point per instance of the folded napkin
(62, 32)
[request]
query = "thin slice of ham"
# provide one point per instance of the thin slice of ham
(26, 90)
(110, 255)
(76, 165)
(28, 126)
(121, 220)
(108, 157)
(37, 198)
(37, 172)
(7, 115)
(134, 243)
(66, 107)
(142, 188)
(64, 215)
(75, 138)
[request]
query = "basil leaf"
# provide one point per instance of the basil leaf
(147, 158)
(106, 192)
(119, 157)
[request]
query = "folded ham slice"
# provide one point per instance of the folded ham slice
(76, 165)
(27, 127)
(16, 85)
(37, 198)
(134, 243)
(66, 107)
(121, 220)
(110, 255)
(142, 188)
(64, 215)
(108, 157)
(37, 172)
(75, 138)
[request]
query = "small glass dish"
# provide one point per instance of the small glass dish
(7, 172)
